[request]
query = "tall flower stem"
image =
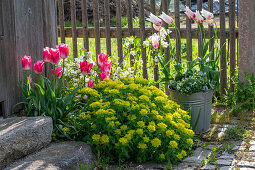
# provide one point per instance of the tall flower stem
(47, 70)
(63, 75)
(84, 80)
(38, 78)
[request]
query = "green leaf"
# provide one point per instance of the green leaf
(40, 88)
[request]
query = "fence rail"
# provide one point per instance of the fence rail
(119, 32)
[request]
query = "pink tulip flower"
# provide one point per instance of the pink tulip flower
(155, 41)
(85, 67)
(106, 67)
(55, 55)
(46, 55)
(191, 15)
(210, 22)
(38, 67)
(156, 27)
(199, 17)
(155, 20)
(166, 18)
(64, 50)
(26, 62)
(104, 75)
(90, 83)
(58, 72)
(102, 58)
(208, 15)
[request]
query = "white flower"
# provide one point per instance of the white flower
(89, 60)
(90, 53)
(129, 69)
(208, 15)
(141, 62)
(156, 59)
(132, 53)
(155, 41)
(155, 20)
(157, 27)
(131, 40)
(199, 18)
(75, 84)
(124, 63)
(146, 43)
(216, 45)
(127, 44)
(166, 18)
(169, 31)
(164, 44)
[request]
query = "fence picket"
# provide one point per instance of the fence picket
(130, 27)
(232, 42)
(74, 31)
(189, 38)
(211, 31)
(119, 32)
(107, 26)
(85, 24)
(177, 23)
(61, 20)
(223, 63)
(200, 37)
(97, 27)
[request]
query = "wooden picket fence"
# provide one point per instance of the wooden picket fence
(142, 32)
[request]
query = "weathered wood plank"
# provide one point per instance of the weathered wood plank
(119, 32)
(143, 37)
(232, 42)
(61, 20)
(189, 38)
(97, 25)
(136, 31)
(74, 31)
(177, 23)
(200, 37)
(211, 31)
(130, 27)
(223, 62)
(85, 24)
(107, 26)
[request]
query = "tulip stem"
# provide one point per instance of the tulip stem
(47, 70)
(63, 75)
(84, 80)
(39, 79)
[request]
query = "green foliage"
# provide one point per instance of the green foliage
(47, 99)
(129, 119)
(234, 133)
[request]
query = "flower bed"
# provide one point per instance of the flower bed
(128, 119)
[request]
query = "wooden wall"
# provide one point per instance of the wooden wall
(24, 33)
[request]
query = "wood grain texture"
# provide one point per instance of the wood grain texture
(130, 27)
(143, 37)
(107, 26)
(137, 32)
(200, 36)
(211, 31)
(97, 29)
(85, 24)
(119, 32)
(232, 43)
(74, 32)
(189, 34)
(223, 62)
(61, 20)
(177, 23)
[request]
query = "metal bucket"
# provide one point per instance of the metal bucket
(198, 102)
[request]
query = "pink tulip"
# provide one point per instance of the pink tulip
(90, 83)
(102, 58)
(191, 15)
(38, 66)
(199, 18)
(106, 67)
(208, 15)
(155, 20)
(64, 50)
(210, 22)
(26, 62)
(46, 55)
(104, 75)
(166, 18)
(55, 54)
(58, 72)
(85, 97)
(157, 28)
(85, 67)
(155, 41)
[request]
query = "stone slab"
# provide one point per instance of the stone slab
(197, 157)
(222, 162)
(20, 136)
(246, 164)
(64, 155)
(227, 168)
(252, 148)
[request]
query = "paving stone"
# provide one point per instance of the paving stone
(252, 142)
(252, 148)
(246, 168)
(197, 157)
(209, 167)
(246, 164)
(20, 136)
(222, 162)
(64, 155)
(227, 168)
(227, 156)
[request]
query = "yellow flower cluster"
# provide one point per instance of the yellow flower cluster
(144, 99)
(173, 144)
(181, 155)
(141, 80)
(151, 127)
(162, 126)
(123, 140)
(139, 131)
(131, 117)
(105, 139)
(141, 124)
(190, 142)
(160, 100)
(143, 112)
(121, 103)
(123, 127)
(156, 142)
(142, 146)
(89, 91)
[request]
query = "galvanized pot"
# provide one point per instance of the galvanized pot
(197, 102)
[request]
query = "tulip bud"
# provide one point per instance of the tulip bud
(106, 66)
(191, 15)
(102, 58)
(58, 72)
(46, 55)
(156, 27)
(104, 75)
(38, 67)
(166, 18)
(85, 67)
(90, 83)
(155, 41)
(199, 18)
(85, 97)
(26, 62)
(155, 20)
(64, 50)
(54, 56)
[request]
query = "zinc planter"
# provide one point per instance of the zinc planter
(197, 102)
